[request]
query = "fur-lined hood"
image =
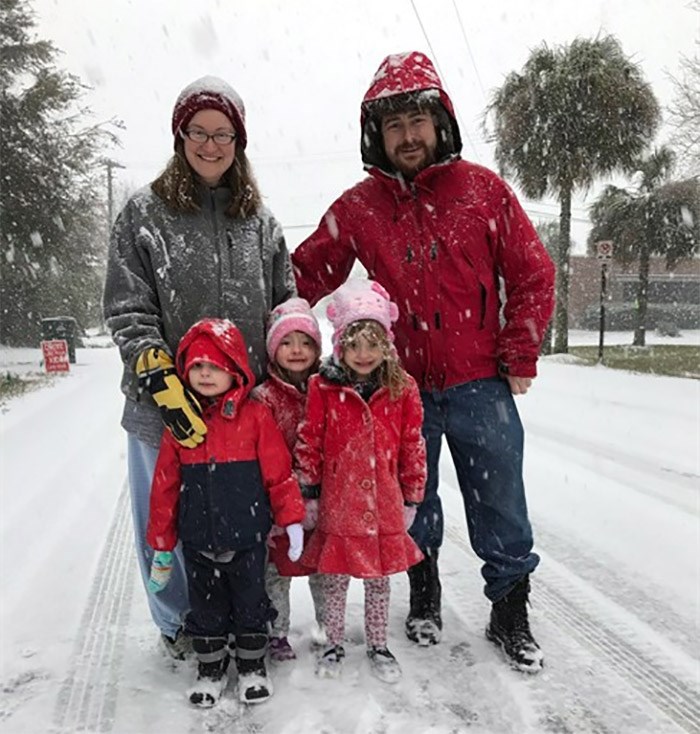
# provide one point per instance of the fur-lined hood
(402, 81)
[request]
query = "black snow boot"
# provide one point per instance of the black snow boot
(254, 684)
(213, 660)
(424, 621)
(509, 628)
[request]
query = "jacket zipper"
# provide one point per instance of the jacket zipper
(215, 227)
(211, 468)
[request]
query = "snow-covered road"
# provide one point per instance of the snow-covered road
(613, 475)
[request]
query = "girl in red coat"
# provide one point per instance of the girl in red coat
(294, 351)
(219, 500)
(360, 446)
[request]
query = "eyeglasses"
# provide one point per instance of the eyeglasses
(199, 136)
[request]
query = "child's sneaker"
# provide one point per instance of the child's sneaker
(383, 664)
(330, 664)
(280, 649)
(210, 683)
(254, 684)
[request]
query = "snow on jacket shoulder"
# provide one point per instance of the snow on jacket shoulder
(369, 458)
(440, 244)
(166, 270)
(439, 248)
(224, 493)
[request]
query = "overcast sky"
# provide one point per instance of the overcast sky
(302, 67)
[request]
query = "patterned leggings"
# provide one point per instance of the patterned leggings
(335, 588)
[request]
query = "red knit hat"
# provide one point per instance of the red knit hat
(210, 93)
(203, 349)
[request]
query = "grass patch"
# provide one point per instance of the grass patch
(13, 385)
(682, 360)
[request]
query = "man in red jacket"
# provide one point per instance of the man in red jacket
(440, 234)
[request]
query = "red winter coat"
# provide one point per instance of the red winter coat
(287, 406)
(439, 245)
(368, 457)
(223, 494)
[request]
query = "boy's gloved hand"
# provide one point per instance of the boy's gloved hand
(161, 568)
(295, 533)
(311, 516)
(409, 515)
(179, 408)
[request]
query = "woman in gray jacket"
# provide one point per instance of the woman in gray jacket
(197, 242)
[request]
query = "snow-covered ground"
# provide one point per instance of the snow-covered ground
(613, 475)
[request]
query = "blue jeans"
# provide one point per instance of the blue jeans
(168, 607)
(485, 437)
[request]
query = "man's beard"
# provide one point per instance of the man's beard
(426, 160)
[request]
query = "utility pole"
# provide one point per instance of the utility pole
(109, 165)
(604, 253)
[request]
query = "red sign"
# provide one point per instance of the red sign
(604, 249)
(56, 355)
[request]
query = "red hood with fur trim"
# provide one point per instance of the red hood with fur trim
(412, 74)
(402, 74)
(229, 340)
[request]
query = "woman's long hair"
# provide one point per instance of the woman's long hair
(177, 185)
(391, 374)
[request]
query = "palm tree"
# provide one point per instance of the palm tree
(574, 114)
(654, 217)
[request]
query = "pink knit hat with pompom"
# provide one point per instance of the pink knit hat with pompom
(359, 300)
(292, 315)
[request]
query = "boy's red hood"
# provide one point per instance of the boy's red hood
(230, 341)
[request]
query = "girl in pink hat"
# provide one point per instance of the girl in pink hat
(360, 448)
(294, 351)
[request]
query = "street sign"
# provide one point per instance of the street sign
(55, 353)
(604, 250)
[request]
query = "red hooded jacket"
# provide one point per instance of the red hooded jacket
(223, 494)
(439, 244)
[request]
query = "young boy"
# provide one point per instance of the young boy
(219, 499)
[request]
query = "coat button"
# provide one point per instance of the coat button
(368, 517)
(366, 484)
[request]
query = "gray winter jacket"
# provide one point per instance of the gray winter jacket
(166, 270)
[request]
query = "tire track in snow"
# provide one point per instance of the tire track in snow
(639, 668)
(649, 607)
(87, 699)
(633, 471)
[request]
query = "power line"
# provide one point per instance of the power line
(469, 49)
(462, 126)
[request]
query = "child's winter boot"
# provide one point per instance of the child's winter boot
(213, 658)
(254, 684)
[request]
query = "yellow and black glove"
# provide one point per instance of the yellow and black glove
(179, 408)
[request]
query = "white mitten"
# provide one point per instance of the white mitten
(295, 533)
